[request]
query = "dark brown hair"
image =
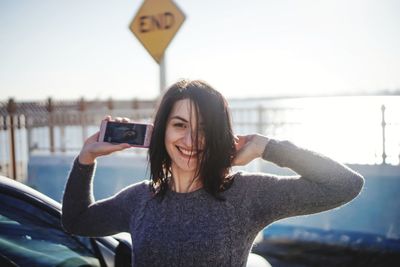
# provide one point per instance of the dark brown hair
(219, 148)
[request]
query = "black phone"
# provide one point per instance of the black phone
(135, 134)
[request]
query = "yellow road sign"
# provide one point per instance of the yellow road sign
(155, 24)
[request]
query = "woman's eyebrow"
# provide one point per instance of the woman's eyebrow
(179, 118)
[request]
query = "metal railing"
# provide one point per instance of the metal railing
(62, 126)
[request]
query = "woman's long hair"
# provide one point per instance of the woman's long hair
(218, 150)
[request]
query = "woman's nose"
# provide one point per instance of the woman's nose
(188, 138)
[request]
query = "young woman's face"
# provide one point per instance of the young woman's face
(180, 136)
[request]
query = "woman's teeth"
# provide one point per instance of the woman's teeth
(187, 152)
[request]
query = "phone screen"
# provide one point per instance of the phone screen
(131, 133)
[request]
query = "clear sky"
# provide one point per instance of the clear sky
(84, 48)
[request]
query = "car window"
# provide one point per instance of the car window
(29, 236)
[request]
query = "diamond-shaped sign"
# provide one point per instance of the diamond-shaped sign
(155, 24)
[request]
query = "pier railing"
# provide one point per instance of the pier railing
(62, 126)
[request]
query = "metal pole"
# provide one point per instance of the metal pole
(23, 158)
(110, 106)
(260, 130)
(82, 113)
(383, 135)
(50, 109)
(29, 132)
(63, 143)
(11, 109)
(162, 74)
(260, 123)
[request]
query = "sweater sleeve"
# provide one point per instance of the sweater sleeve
(82, 215)
(320, 184)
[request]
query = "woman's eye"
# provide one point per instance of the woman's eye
(179, 125)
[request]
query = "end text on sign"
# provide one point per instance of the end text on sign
(163, 21)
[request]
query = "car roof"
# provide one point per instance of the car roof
(17, 188)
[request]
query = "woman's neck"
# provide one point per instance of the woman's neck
(185, 183)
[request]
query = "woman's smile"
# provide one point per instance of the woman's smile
(187, 152)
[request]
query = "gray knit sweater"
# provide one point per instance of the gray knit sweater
(195, 229)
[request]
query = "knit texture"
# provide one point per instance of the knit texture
(196, 229)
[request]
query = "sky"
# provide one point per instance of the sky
(257, 48)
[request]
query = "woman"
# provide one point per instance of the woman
(194, 211)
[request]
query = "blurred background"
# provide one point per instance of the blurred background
(323, 74)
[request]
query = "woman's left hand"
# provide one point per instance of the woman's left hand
(249, 147)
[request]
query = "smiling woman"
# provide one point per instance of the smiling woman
(195, 211)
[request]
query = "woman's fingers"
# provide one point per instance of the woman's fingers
(240, 141)
(91, 151)
(107, 148)
(107, 118)
(243, 155)
(104, 148)
(117, 119)
(248, 148)
(93, 138)
(99, 148)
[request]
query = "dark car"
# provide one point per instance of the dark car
(31, 235)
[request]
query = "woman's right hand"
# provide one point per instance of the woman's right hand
(92, 148)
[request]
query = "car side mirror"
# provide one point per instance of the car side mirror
(123, 254)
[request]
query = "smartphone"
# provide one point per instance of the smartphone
(135, 134)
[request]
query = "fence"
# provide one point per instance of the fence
(46, 127)
(62, 126)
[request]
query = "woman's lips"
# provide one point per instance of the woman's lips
(187, 152)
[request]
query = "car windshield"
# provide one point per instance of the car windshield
(29, 236)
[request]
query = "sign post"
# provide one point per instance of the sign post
(163, 73)
(155, 25)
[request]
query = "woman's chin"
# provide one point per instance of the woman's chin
(185, 166)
